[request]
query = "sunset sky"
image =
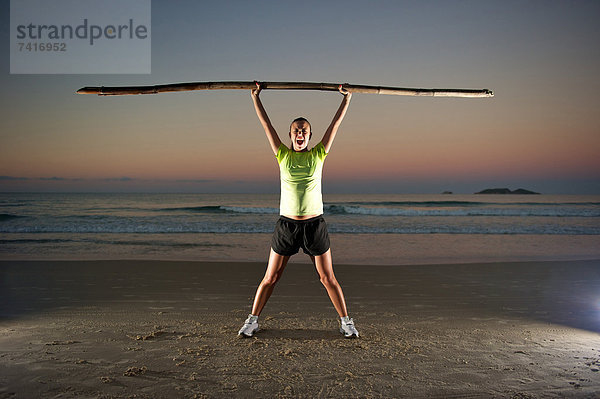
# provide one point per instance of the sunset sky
(541, 131)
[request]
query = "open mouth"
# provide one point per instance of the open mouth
(299, 141)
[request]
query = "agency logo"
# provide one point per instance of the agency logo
(80, 36)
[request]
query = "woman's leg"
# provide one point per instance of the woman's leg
(274, 271)
(324, 267)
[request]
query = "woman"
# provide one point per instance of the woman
(301, 224)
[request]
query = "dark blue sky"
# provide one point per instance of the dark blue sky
(541, 58)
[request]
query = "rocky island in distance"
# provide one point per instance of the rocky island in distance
(506, 191)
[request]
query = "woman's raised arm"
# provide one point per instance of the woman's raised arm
(331, 131)
(264, 120)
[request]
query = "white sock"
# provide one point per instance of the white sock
(345, 319)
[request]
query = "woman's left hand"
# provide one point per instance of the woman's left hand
(345, 92)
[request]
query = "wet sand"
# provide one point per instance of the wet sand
(160, 329)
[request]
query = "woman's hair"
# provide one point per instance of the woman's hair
(301, 119)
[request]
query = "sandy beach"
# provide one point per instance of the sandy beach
(160, 329)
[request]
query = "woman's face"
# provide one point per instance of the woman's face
(300, 134)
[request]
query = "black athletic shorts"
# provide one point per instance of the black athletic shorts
(309, 234)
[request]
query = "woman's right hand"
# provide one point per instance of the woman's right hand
(256, 92)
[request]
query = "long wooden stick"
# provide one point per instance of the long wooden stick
(398, 91)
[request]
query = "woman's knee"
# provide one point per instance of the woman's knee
(271, 279)
(328, 280)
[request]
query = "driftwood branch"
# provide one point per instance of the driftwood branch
(398, 91)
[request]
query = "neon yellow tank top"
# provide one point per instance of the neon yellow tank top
(300, 174)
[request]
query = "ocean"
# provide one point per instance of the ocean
(365, 229)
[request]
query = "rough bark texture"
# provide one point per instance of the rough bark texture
(173, 87)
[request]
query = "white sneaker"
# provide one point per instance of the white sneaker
(347, 328)
(250, 326)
